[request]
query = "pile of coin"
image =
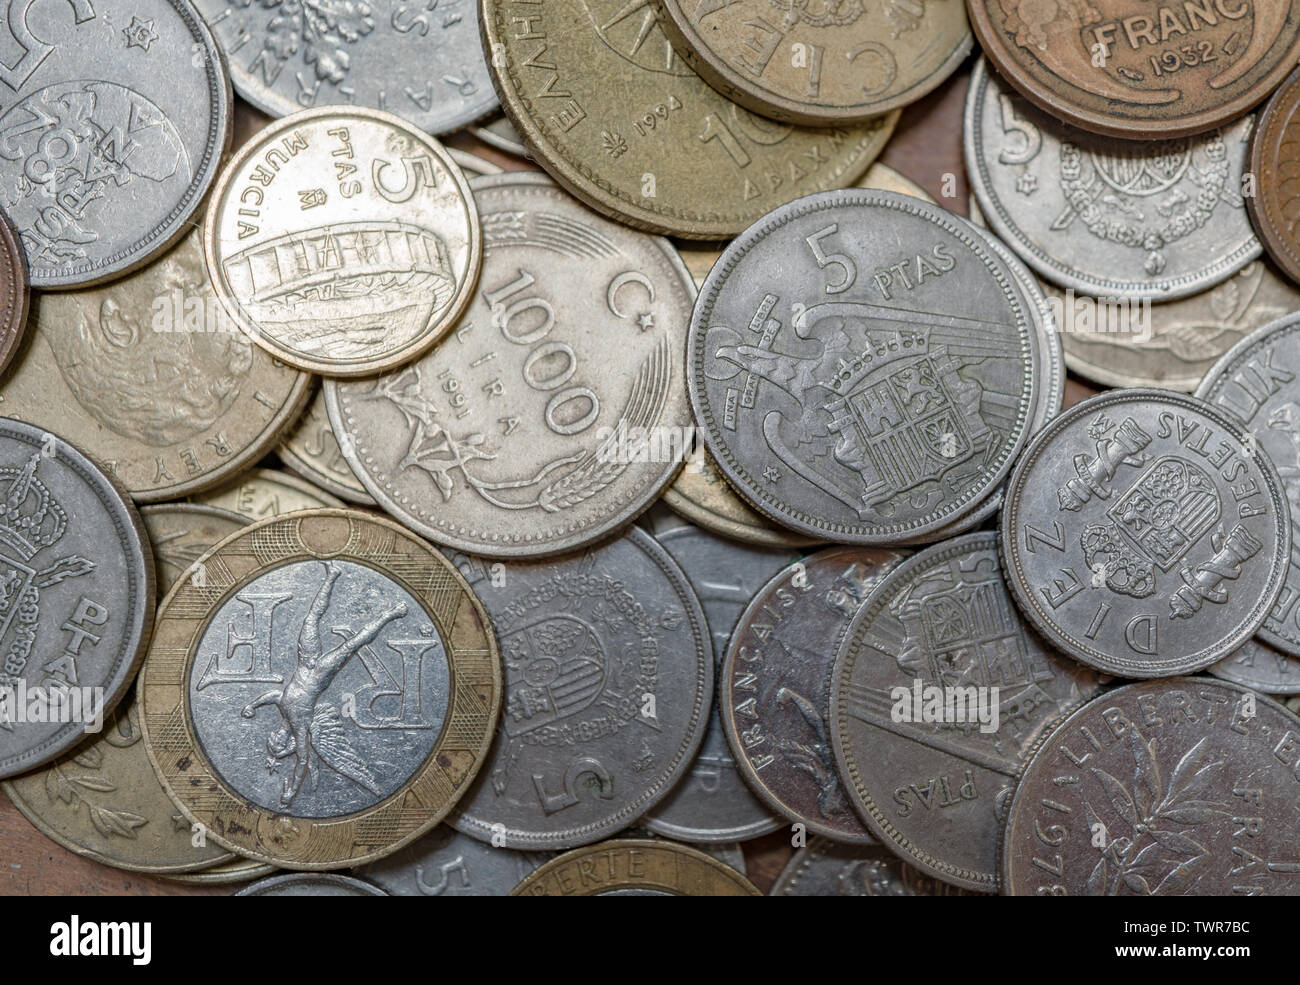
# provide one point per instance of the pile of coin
(379, 521)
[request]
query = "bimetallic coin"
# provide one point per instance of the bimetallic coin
(599, 95)
(608, 682)
(1144, 535)
(312, 450)
(14, 292)
(1163, 788)
(863, 367)
(773, 685)
(712, 803)
(1157, 219)
(360, 256)
(324, 693)
(151, 377)
(635, 868)
(556, 412)
(117, 118)
(1274, 158)
(263, 493)
(501, 134)
(447, 863)
(78, 584)
(311, 884)
(237, 870)
(1260, 667)
(181, 533)
(1256, 384)
(824, 64)
(938, 694)
(824, 868)
(1131, 69)
(420, 60)
(103, 801)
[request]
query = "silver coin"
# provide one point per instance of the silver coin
(501, 134)
(773, 685)
(76, 596)
(1255, 383)
(311, 449)
(420, 59)
(934, 788)
(824, 868)
(608, 675)
(447, 863)
(1157, 219)
(1144, 535)
(311, 884)
(713, 802)
(181, 533)
(728, 853)
(863, 367)
(519, 436)
(1257, 665)
(117, 117)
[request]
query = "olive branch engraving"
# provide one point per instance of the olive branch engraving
(72, 788)
(321, 28)
(1154, 816)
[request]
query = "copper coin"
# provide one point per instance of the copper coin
(14, 291)
(1275, 163)
(1128, 68)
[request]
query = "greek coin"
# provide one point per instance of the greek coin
(501, 134)
(863, 367)
(1162, 788)
(322, 687)
(181, 533)
(1144, 535)
(608, 683)
(103, 801)
(1256, 384)
(447, 863)
(607, 107)
(555, 413)
(236, 870)
(152, 378)
(117, 120)
(78, 599)
(822, 64)
(359, 257)
(14, 292)
(1260, 667)
(263, 493)
(421, 60)
(312, 450)
(1133, 70)
(824, 868)
(772, 687)
(938, 693)
(1273, 161)
(311, 884)
(1157, 219)
(635, 868)
(712, 803)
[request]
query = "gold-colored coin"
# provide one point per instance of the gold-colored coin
(262, 493)
(152, 380)
(323, 693)
(611, 111)
(181, 533)
(236, 870)
(343, 241)
(312, 450)
(635, 867)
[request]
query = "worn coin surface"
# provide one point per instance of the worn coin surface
(727, 852)
(1256, 384)
(609, 109)
(311, 884)
(1257, 665)
(1131, 69)
(932, 777)
(343, 241)
(447, 863)
(224, 873)
(556, 412)
(609, 677)
(863, 367)
(15, 294)
(713, 803)
(1157, 219)
(104, 802)
(151, 378)
(181, 533)
(1144, 534)
(312, 450)
(773, 685)
(420, 59)
(1161, 788)
(117, 117)
(632, 867)
(824, 868)
(820, 64)
(322, 687)
(1275, 163)
(263, 493)
(78, 599)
